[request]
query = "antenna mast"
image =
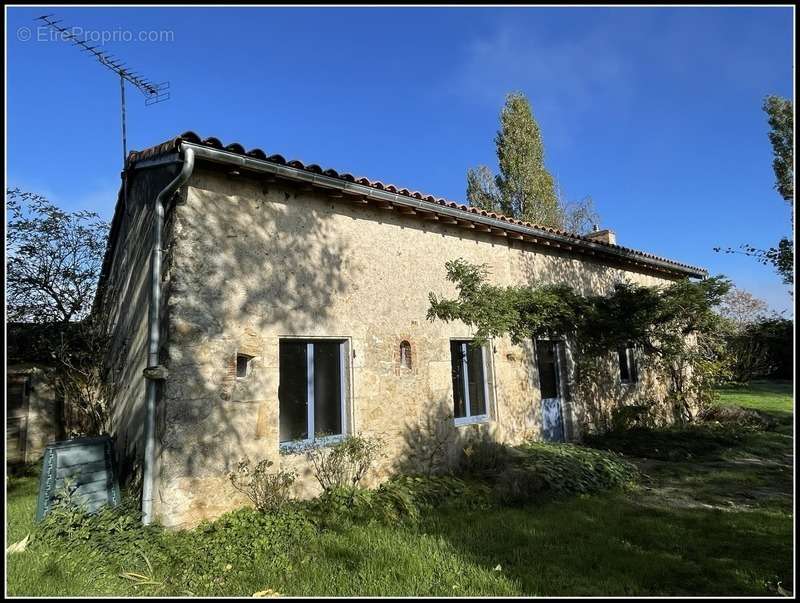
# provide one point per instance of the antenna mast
(153, 93)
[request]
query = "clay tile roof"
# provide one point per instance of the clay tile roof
(173, 145)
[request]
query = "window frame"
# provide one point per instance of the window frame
(631, 365)
(247, 365)
(470, 419)
(299, 445)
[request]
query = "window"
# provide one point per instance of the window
(470, 390)
(628, 371)
(311, 390)
(547, 360)
(405, 355)
(243, 365)
(16, 391)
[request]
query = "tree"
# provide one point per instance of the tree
(579, 216)
(742, 308)
(780, 118)
(482, 190)
(524, 188)
(781, 122)
(675, 325)
(54, 259)
(54, 262)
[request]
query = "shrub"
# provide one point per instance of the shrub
(234, 545)
(674, 443)
(631, 416)
(546, 470)
(429, 492)
(484, 458)
(201, 560)
(737, 416)
(401, 499)
(268, 491)
(344, 464)
(111, 531)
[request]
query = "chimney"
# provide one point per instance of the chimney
(603, 236)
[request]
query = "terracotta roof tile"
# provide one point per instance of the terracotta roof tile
(173, 145)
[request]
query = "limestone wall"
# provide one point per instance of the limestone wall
(253, 262)
(41, 423)
(124, 306)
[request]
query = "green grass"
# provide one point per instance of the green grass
(718, 522)
(772, 396)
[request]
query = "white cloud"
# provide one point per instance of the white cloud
(563, 77)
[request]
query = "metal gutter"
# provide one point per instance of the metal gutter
(154, 371)
(354, 188)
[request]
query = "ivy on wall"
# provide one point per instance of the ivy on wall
(675, 326)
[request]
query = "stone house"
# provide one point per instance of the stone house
(285, 305)
(34, 412)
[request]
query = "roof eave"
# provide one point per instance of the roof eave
(533, 235)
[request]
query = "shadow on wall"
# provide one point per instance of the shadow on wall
(434, 445)
(245, 258)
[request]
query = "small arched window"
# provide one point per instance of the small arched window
(405, 355)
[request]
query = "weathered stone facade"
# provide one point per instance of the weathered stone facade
(249, 262)
(37, 421)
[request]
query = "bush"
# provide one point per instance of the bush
(484, 458)
(344, 464)
(430, 492)
(235, 545)
(761, 349)
(631, 416)
(268, 491)
(401, 499)
(546, 470)
(674, 443)
(737, 416)
(200, 560)
(110, 530)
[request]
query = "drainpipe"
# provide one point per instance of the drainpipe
(154, 371)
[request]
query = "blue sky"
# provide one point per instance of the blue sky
(655, 113)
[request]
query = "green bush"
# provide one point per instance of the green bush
(631, 416)
(674, 443)
(344, 464)
(736, 416)
(484, 458)
(233, 546)
(269, 491)
(545, 470)
(401, 499)
(429, 492)
(111, 530)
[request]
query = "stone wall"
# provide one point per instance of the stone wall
(124, 304)
(251, 263)
(43, 421)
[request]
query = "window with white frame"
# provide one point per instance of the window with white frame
(470, 386)
(311, 391)
(628, 371)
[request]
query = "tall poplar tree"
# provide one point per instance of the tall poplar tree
(523, 189)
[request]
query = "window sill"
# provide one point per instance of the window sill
(301, 446)
(471, 420)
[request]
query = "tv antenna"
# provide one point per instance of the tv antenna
(153, 93)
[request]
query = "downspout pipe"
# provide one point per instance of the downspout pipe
(154, 371)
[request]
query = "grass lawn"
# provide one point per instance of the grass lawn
(713, 518)
(773, 396)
